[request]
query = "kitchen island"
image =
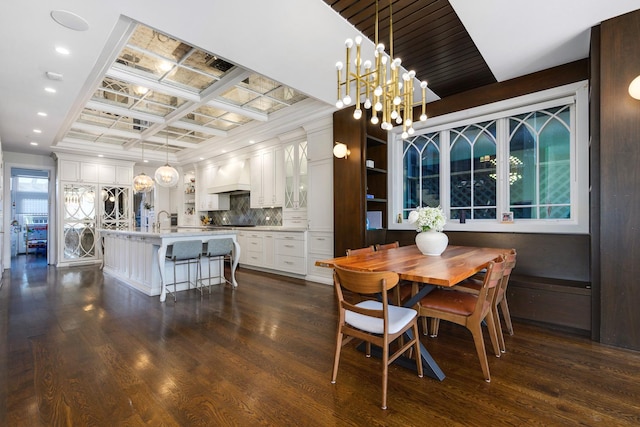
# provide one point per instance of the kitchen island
(138, 257)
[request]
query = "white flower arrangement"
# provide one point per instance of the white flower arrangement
(427, 218)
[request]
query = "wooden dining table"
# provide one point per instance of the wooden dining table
(454, 265)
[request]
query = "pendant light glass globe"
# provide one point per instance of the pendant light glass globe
(166, 176)
(142, 183)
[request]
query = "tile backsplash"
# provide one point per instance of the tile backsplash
(240, 212)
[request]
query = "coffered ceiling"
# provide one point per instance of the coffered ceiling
(205, 77)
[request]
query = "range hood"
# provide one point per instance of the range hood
(233, 178)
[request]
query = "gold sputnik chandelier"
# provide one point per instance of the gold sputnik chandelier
(384, 87)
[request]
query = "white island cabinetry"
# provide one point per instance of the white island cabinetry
(138, 257)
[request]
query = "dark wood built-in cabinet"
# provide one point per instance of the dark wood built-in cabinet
(358, 188)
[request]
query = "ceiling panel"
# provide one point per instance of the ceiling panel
(429, 38)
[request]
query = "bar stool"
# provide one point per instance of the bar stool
(217, 249)
(185, 252)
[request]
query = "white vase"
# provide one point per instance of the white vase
(432, 242)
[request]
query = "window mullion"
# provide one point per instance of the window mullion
(502, 166)
(445, 175)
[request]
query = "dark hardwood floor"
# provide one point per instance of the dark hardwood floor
(79, 348)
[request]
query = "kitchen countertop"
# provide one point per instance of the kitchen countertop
(249, 228)
(173, 231)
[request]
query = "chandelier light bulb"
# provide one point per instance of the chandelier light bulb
(405, 135)
(423, 117)
(339, 103)
(339, 66)
(358, 40)
(408, 122)
(411, 131)
(399, 120)
(396, 100)
(380, 48)
(377, 91)
(357, 113)
(423, 84)
(367, 103)
(348, 43)
(405, 77)
(394, 114)
(367, 64)
(375, 120)
(384, 60)
(397, 62)
(346, 100)
(412, 74)
(378, 106)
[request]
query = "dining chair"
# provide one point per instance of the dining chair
(468, 310)
(217, 250)
(365, 250)
(385, 246)
(184, 252)
(403, 291)
(474, 284)
(372, 321)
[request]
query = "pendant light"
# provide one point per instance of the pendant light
(142, 183)
(166, 176)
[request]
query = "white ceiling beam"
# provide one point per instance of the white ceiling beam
(120, 111)
(261, 117)
(148, 83)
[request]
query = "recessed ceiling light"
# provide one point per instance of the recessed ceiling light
(146, 161)
(37, 131)
(33, 143)
(252, 142)
(50, 89)
(201, 158)
(42, 114)
(62, 50)
(70, 20)
(100, 155)
(224, 151)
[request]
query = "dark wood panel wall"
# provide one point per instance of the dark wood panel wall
(349, 210)
(619, 199)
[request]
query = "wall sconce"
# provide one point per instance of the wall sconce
(341, 151)
(634, 88)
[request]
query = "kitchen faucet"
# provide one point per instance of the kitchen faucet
(157, 223)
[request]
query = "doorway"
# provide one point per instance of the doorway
(29, 216)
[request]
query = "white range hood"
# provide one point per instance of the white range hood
(233, 177)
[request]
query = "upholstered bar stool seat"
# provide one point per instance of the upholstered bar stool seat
(217, 250)
(184, 252)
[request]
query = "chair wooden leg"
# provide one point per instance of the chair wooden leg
(368, 349)
(336, 358)
(435, 325)
(507, 316)
(425, 328)
(476, 331)
(385, 374)
(493, 334)
(496, 316)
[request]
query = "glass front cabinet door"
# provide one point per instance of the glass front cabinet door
(295, 169)
(79, 222)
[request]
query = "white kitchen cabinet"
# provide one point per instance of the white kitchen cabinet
(295, 176)
(115, 175)
(267, 179)
(291, 249)
(77, 171)
(320, 248)
(254, 249)
(295, 185)
(268, 248)
(242, 242)
(320, 206)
